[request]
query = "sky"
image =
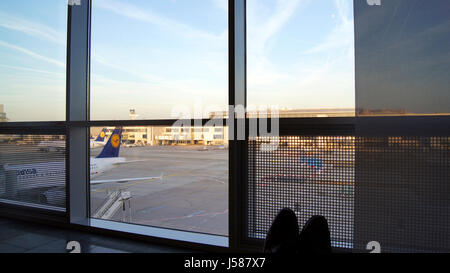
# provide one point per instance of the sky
(165, 57)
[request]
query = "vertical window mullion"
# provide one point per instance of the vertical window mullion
(78, 109)
(237, 97)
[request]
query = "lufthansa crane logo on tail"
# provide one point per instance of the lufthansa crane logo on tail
(102, 134)
(115, 140)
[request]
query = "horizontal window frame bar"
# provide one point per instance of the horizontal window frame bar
(33, 128)
(37, 207)
(359, 126)
(386, 126)
(317, 126)
(161, 233)
(151, 122)
(27, 212)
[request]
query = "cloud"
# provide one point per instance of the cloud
(33, 70)
(341, 37)
(148, 16)
(263, 28)
(323, 76)
(32, 29)
(32, 54)
(147, 77)
(264, 22)
(221, 4)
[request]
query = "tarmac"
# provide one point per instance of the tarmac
(192, 194)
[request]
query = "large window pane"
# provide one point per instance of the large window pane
(171, 177)
(301, 57)
(157, 57)
(33, 170)
(33, 60)
(403, 58)
(312, 175)
(402, 195)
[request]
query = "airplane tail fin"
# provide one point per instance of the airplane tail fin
(101, 136)
(112, 147)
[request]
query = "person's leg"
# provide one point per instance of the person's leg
(315, 236)
(283, 234)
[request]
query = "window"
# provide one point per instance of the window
(33, 170)
(300, 57)
(402, 84)
(403, 67)
(172, 181)
(159, 59)
(374, 179)
(375, 176)
(33, 37)
(301, 61)
(156, 61)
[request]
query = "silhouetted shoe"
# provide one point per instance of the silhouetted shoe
(283, 234)
(315, 236)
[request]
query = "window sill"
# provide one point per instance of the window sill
(160, 233)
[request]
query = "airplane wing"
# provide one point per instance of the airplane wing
(122, 180)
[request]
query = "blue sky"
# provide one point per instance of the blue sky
(161, 55)
(32, 59)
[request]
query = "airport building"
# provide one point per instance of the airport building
(165, 135)
(160, 136)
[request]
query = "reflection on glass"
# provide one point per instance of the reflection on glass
(33, 38)
(33, 170)
(158, 58)
(300, 57)
(403, 58)
(171, 177)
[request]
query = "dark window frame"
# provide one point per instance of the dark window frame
(77, 125)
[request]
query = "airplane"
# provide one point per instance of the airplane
(52, 176)
(60, 146)
(100, 140)
(49, 146)
(109, 157)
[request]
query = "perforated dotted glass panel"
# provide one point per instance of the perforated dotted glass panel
(313, 175)
(392, 190)
(402, 197)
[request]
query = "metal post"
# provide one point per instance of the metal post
(237, 97)
(78, 66)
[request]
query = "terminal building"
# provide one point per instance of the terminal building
(160, 136)
(165, 135)
(210, 135)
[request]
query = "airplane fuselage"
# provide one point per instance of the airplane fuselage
(97, 144)
(51, 174)
(100, 165)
